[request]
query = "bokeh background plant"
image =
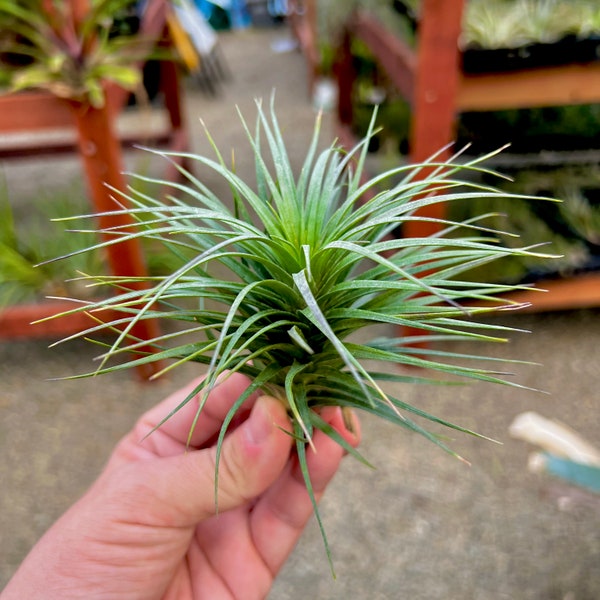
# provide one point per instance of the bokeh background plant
(47, 44)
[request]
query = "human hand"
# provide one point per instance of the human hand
(147, 527)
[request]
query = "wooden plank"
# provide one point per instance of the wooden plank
(550, 86)
(34, 145)
(18, 321)
(28, 111)
(392, 53)
(580, 291)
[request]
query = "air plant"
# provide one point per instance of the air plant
(581, 215)
(45, 44)
(276, 283)
(515, 23)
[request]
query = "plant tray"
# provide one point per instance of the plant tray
(17, 321)
(568, 50)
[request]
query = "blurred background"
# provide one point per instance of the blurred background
(422, 525)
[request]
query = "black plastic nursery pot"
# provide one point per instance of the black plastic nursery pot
(568, 50)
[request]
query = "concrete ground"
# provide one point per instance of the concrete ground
(422, 525)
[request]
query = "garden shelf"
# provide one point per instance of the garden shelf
(22, 321)
(432, 80)
(568, 50)
(30, 321)
(34, 123)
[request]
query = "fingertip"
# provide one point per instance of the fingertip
(267, 417)
(345, 421)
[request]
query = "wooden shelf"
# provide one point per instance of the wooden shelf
(545, 86)
(27, 117)
(568, 293)
(20, 321)
(431, 79)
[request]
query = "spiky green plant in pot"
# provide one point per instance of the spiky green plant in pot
(276, 285)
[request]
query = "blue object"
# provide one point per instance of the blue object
(205, 7)
(239, 15)
(583, 475)
(236, 11)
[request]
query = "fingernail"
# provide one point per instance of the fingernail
(260, 424)
(349, 419)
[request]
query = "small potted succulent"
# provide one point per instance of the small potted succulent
(276, 281)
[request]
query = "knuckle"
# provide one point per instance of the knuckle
(233, 475)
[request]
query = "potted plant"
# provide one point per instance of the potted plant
(521, 34)
(278, 283)
(69, 49)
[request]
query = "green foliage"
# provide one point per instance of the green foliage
(556, 128)
(578, 215)
(581, 215)
(23, 248)
(277, 285)
(514, 23)
(46, 232)
(42, 46)
(570, 227)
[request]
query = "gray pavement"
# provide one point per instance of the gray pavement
(422, 525)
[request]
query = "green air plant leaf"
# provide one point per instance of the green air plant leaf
(275, 282)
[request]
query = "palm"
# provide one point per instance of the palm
(238, 552)
(227, 556)
(148, 529)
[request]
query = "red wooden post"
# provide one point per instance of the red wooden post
(434, 103)
(436, 88)
(101, 154)
(345, 75)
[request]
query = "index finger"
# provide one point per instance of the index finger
(173, 435)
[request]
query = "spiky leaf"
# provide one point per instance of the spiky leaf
(284, 281)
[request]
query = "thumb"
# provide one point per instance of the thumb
(251, 459)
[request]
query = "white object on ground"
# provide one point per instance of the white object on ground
(554, 437)
(325, 94)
